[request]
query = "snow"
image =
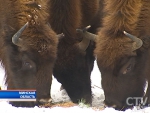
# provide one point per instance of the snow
(61, 96)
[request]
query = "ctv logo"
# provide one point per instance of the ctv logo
(137, 100)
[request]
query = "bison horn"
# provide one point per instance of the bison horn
(83, 45)
(137, 41)
(15, 39)
(87, 34)
(60, 36)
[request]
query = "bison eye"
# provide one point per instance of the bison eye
(127, 65)
(127, 69)
(27, 64)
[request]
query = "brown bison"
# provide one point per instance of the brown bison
(124, 59)
(74, 61)
(28, 47)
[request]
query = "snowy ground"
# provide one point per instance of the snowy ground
(61, 96)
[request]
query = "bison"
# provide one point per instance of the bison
(28, 47)
(75, 58)
(123, 58)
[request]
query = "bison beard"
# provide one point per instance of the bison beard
(29, 60)
(73, 65)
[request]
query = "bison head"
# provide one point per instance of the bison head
(122, 67)
(30, 61)
(120, 62)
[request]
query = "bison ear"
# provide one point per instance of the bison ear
(83, 45)
(15, 39)
(137, 41)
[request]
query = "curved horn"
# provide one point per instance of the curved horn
(83, 45)
(87, 34)
(137, 41)
(15, 39)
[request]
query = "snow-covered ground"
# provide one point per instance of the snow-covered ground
(61, 96)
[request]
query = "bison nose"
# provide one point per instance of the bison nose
(45, 101)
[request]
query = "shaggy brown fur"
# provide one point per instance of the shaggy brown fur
(73, 66)
(123, 70)
(112, 43)
(64, 12)
(89, 11)
(30, 65)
